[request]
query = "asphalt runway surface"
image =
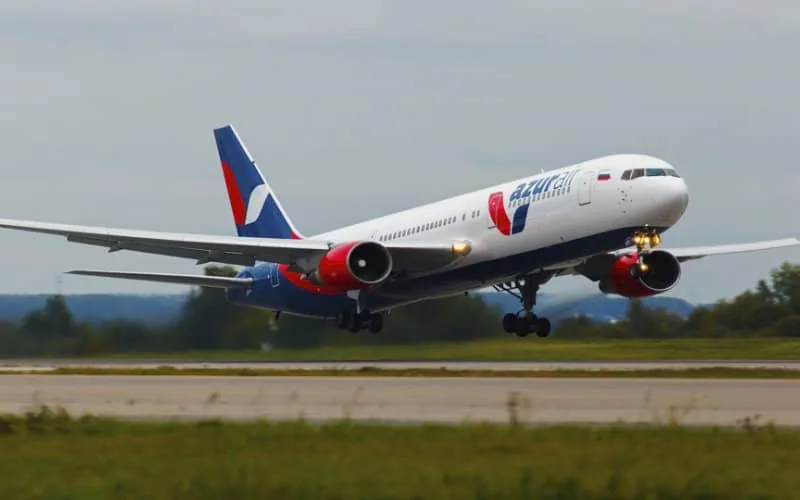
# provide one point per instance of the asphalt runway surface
(46, 365)
(409, 399)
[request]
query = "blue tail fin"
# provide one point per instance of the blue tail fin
(256, 211)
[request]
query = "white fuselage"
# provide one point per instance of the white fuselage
(544, 222)
(579, 208)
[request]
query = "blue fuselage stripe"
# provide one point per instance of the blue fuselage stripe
(272, 291)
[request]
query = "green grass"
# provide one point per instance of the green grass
(704, 372)
(527, 349)
(45, 455)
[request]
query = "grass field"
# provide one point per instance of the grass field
(710, 372)
(45, 455)
(528, 349)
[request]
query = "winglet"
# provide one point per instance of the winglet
(256, 210)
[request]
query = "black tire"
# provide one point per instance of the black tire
(543, 327)
(510, 323)
(342, 320)
(354, 323)
(522, 328)
(375, 323)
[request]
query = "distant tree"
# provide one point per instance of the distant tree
(210, 321)
(455, 318)
(786, 286)
(702, 322)
(54, 320)
(126, 336)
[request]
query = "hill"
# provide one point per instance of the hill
(150, 309)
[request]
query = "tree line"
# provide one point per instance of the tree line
(209, 322)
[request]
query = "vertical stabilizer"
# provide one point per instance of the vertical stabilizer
(256, 211)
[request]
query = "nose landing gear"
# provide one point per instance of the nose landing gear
(525, 321)
(645, 242)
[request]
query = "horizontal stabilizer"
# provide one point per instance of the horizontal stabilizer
(179, 279)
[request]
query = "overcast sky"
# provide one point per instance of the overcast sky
(357, 108)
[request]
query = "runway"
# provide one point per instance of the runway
(409, 399)
(49, 365)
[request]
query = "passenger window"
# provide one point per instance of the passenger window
(626, 175)
(639, 172)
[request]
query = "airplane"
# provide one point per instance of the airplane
(602, 219)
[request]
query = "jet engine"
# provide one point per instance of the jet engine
(355, 265)
(658, 272)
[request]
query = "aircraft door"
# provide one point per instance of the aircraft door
(585, 187)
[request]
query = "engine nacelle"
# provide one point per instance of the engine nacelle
(661, 273)
(355, 265)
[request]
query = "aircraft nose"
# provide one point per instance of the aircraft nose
(675, 199)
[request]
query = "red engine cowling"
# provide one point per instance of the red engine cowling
(355, 265)
(661, 274)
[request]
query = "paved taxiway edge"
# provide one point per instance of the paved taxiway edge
(534, 401)
(52, 365)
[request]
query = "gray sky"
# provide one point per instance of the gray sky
(357, 108)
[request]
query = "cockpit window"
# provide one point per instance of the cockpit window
(649, 172)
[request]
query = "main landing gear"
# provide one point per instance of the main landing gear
(355, 322)
(525, 321)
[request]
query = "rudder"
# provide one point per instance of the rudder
(256, 210)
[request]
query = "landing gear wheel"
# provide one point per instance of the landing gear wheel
(353, 323)
(342, 320)
(510, 323)
(375, 323)
(542, 327)
(525, 322)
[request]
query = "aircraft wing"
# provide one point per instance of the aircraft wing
(597, 267)
(178, 279)
(302, 254)
(691, 253)
(202, 248)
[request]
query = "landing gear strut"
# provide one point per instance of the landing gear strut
(525, 321)
(645, 241)
(355, 322)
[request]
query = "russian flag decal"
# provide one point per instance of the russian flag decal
(604, 176)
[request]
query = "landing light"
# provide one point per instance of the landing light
(643, 267)
(461, 248)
